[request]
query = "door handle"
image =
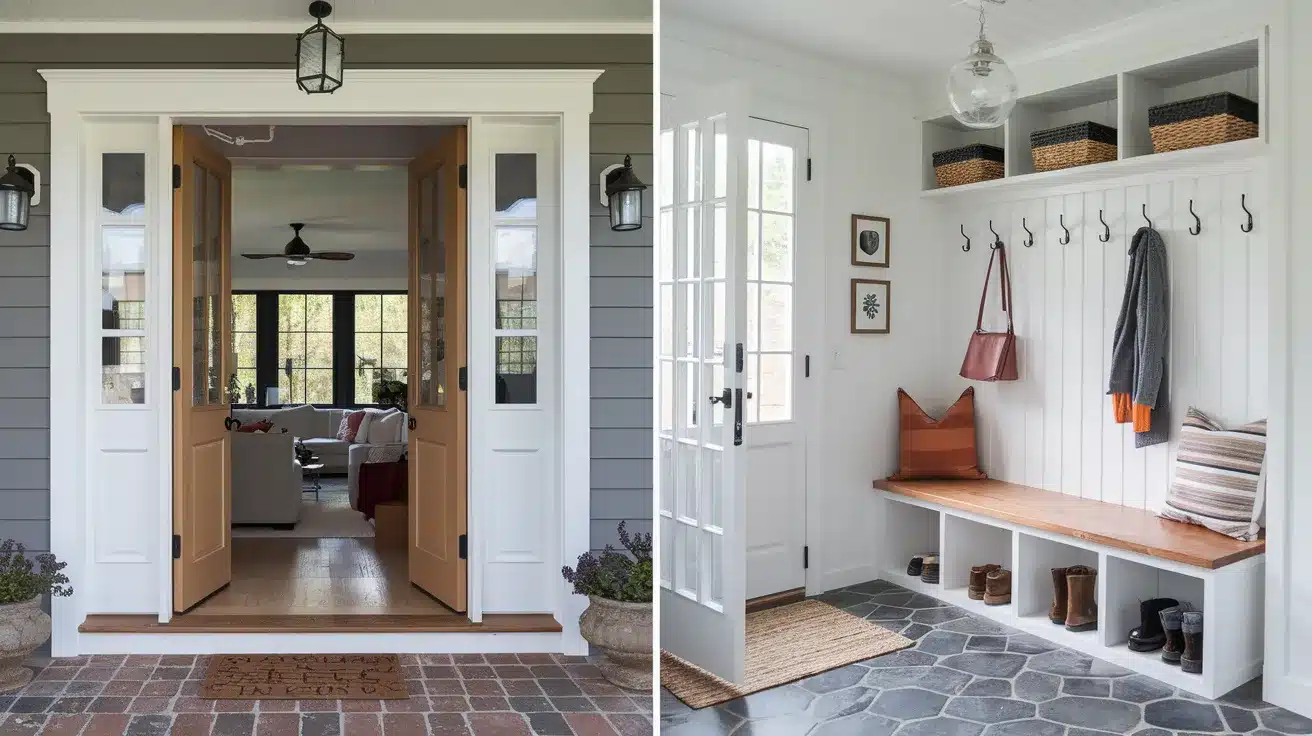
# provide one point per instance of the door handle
(725, 398)
(411, 423)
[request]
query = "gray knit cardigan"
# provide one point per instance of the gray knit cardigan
(1141, 344)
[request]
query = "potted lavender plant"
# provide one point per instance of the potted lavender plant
(24, 627)
(617, 622)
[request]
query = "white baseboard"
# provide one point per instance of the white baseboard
(849, 576)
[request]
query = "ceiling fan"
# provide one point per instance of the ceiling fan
(298, 253)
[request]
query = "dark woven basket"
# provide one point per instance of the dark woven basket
(1077, 144)
(968, 164)
(1202, 121)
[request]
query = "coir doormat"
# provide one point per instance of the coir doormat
(304, 677)
(784, 644)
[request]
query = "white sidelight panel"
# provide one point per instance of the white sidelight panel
(120, 290)
(513, 361)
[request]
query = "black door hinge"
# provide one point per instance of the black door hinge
(806, 558)
(464, 176)
(177, 378)
(808, 169)
(177, 547)
(177, 176)
(464, 546)
(464, 378)
(808, 366)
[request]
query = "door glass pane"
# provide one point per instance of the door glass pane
(692, 141)
(123, 183)
(200, 295)
(720, 139)
(123, 370)
(432, 292)
(776, 177)
(776, 317)
(517, 184)
(776, 388)
(777, 254)
(665, 191)
(123, 277)
(218, 379)
(687, 459)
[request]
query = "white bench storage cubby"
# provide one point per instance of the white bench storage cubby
(1230, 596)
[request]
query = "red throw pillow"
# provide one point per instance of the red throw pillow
(264, 425)
(350, 425)
(937, 448)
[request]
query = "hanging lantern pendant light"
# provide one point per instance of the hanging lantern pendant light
(319, 54)
(982, 87)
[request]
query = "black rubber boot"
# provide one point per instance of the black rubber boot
(1191, 660)
(1149, 635)
(1174, 635)
(916, 565)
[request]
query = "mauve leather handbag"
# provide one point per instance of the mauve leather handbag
(991, 356)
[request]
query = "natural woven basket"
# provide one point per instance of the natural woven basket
(968, 164)
(1202, 121)
(1078, 144)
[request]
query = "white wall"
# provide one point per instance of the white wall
(865, 151)
(1053, 428)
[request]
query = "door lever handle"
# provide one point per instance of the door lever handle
(725, 398)
(411, 423)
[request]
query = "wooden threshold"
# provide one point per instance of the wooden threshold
(775, 600)
(200, 623)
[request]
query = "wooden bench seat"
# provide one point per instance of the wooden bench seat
(1116, 526)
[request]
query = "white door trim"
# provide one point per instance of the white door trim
(76, 96)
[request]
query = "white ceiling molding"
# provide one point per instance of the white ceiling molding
(345, 28)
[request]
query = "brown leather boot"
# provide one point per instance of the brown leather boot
(1171, 627)
(979, 580)
(1057, 614)
(1082, 605)
(997, 590)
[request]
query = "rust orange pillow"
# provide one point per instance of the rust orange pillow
(933, 449)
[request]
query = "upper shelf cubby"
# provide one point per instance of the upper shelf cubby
(1121, 100)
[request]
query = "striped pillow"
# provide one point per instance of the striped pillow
(937, 448)
(1219, 478)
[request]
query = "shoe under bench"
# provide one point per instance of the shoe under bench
(1137, 555)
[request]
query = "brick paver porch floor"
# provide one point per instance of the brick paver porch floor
(475, 694)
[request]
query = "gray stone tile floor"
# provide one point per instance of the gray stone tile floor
(969, 676)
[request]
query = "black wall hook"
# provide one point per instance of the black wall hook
(1106, 231)
(1145, 214)
(1243, 202)
(1030, 242)
(1061, 220)
(1198, 224)
(965, 248)
(997, 241)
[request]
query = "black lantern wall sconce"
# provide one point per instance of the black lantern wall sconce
(621, 192)
(319, 54)
(20, 191)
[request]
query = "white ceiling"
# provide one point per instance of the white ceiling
(908, 36)
(342, 209)
(347, 13)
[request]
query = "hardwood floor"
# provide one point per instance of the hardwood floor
(325, 576)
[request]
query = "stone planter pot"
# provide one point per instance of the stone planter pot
(621, 633)
(24, 627)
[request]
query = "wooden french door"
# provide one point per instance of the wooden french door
(202, 296)
(438, 402)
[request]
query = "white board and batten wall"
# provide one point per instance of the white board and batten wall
(1054, 429)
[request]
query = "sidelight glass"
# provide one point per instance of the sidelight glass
(124, 263)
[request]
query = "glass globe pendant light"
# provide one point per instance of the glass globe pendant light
(981, 87)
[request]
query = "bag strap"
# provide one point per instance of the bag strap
(1005, 285)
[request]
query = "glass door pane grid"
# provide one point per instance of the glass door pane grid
(779, 283)
(666, 335)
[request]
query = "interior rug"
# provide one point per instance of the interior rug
(304, 677)
(784, 644)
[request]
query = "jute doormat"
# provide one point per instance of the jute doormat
(304, 677)
(784, 644)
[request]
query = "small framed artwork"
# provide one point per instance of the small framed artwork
(870, 240)
(870, 307)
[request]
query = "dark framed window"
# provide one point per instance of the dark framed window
(305, 349)
(245, 353)
(381, 350)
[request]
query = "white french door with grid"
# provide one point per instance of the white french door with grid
(701, 384)
(776, 363)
